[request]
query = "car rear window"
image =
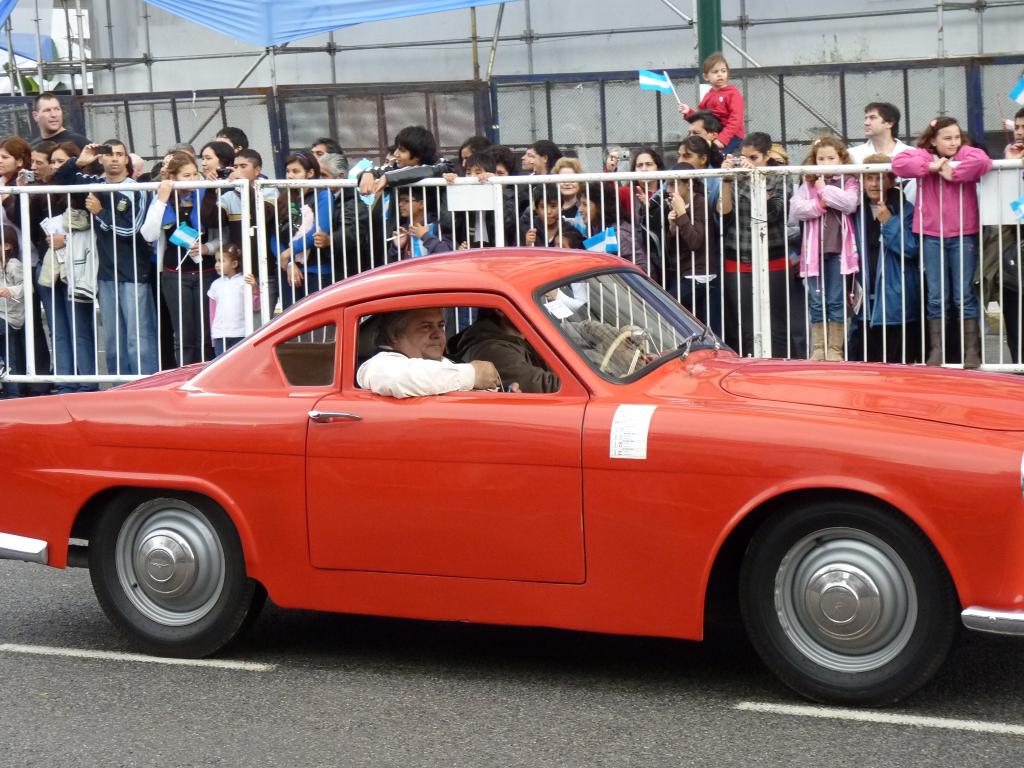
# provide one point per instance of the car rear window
(308, 358)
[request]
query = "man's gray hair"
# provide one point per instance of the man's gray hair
(336, 165)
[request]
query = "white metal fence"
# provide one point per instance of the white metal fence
(731, 245)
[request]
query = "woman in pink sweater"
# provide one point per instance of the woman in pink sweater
(946, 217)
(825, 204)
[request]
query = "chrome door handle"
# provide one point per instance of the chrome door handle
(325, 417)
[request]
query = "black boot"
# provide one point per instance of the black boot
(972, 344)
(934, 342)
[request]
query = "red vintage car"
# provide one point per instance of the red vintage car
(857, 513)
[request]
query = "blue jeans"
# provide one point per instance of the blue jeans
(69, 320)
(129, 350)
(944, 275)
(12, 353)
(830, 285)
(734, 145)
(220, 346)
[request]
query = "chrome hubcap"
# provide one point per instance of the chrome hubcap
(845, 599)
(170, 562)
(165, 564)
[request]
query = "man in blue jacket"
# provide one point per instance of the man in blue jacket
(127, 306)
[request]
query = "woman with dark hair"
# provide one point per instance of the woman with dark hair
(184, 226)
(301, 211)
(216, 158)
(644, 206)
(16, 169)
(15, 162)
(697, 152)
(735, 207)
(691, 259)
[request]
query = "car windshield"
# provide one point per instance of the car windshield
(621, 323)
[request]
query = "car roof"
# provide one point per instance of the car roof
(515, 270)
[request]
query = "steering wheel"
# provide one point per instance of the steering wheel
(627, 332)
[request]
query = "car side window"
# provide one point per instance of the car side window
(475, 334)
(308, 358)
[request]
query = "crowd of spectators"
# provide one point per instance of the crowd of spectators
(160, 275)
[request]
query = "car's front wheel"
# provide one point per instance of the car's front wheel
(847, 602)
(170, 573)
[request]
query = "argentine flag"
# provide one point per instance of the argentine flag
(1017, 206)
(652, 81)
(603, 242)
(1017, 94)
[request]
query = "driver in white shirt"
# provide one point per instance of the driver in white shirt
(410, 360)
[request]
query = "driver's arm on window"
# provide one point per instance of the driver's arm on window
(395, 375)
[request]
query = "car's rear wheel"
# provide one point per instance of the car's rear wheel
(847, 602)
(170, 573)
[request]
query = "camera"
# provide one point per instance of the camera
(225, 172)
(103, 149)
(27, 176)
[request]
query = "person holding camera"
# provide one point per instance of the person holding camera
(15, 170)
(127, 305)
(216, 160)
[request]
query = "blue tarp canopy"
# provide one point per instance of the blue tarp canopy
(25, 45)
(273, 22)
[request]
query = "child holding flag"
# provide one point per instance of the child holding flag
(724, 101)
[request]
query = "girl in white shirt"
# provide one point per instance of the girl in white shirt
(227, 299)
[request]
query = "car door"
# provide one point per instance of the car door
(470, 484)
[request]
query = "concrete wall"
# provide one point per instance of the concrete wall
(909, 36)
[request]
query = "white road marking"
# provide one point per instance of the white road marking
(834, 713)
(79, 653)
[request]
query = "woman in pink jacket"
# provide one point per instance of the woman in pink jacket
(825, 205)
(946, 217)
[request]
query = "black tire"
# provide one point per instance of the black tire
(847, 602)
(170, 574)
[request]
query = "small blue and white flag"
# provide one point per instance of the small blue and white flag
(416, 246)
(1017, 94)
(603, 242)
(1017, 206)
(653, 81)
(355, 172)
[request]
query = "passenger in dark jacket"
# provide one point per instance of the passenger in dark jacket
(493, 338)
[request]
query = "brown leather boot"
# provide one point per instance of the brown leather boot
(934, 343)
(972, 344)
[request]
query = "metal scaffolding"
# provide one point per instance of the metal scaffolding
(82, 64)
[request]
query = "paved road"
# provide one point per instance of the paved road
(351, 691)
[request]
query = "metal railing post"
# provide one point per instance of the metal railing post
(246, 224)
(28, 298)
(261, 246)
(499, 215)
(759, 263)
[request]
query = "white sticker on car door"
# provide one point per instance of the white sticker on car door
(630, 426)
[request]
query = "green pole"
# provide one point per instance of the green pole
(709, 28)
